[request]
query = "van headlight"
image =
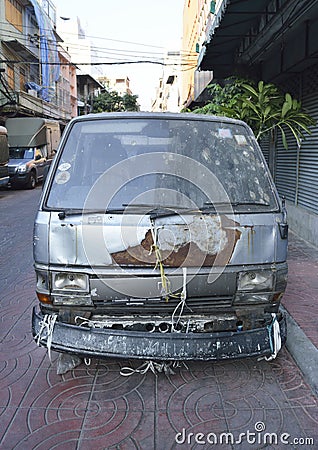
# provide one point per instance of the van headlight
(70, 289)
(262, 280)
(64, 281)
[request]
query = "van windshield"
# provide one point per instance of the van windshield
(174, 163)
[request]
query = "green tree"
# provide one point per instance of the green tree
(262, 106)
(130, 102)
(111, 101)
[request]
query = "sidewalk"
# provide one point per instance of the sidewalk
(300, 302)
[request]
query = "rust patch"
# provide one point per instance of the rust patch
(189, 254)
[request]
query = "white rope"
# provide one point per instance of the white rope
(46, 331)
(154, 367)
(277, 344)
(83, 322)
(148, 365)
(181, 304)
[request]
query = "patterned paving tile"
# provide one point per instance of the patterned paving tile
(117, 427)
(31, 428)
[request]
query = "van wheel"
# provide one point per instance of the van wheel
(32, 181)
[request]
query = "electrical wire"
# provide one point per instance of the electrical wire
(121, 57)
(103, 63)
(78, 46)
(88, 36)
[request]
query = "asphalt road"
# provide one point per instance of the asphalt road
(94, 407)
(17, 212)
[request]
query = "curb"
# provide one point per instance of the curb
(302, 350)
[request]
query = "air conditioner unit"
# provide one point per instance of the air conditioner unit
(32, 92)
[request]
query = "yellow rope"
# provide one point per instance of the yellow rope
(165, 282)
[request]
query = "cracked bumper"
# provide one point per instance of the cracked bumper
(105, 343)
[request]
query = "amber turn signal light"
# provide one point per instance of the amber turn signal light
(44, 298)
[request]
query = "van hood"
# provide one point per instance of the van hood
(133, 240)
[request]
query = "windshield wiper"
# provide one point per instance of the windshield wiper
(152, 206)
(78, 212)
(156, 211)
(229, 205)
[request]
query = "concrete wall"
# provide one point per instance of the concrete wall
(304, 223)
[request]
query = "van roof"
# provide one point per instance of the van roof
(156, 115)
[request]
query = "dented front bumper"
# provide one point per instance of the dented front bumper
(106, 343)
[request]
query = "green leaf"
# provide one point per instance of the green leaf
(250, 89)
(297, 136)
(296, 104)
(283, 137)
(286, 107)
(289, 100)
(267, 111)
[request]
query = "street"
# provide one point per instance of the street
(242, 404)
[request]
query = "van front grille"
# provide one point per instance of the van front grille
(160, 305)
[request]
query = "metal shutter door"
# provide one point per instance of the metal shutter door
(286, 168)
(264, 144)
(308, 160)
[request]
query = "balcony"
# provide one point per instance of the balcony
(29, 104)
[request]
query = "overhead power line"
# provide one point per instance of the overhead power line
(75, 35)
(99, 52)
(162, 63)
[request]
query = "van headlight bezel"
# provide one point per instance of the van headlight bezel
(256, 281)
(72, 282)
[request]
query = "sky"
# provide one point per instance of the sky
(130, 30)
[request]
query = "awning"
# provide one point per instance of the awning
(231, 24)
(30, 132)
(237, 20)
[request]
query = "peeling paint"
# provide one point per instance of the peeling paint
(196, 243)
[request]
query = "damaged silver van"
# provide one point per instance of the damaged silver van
(160, 237)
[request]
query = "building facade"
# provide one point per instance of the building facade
(81, 52)
(31, 83)
(119, 83)
(168, 92)
(197, 18)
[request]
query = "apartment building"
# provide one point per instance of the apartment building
(197, 18)
(82, 53)
(168, 92)
(118, 83)
(36, 74)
